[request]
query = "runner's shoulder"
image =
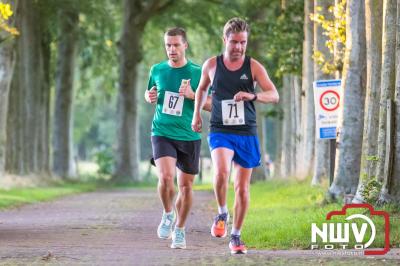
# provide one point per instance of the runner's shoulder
(255, 64)
(210, 63)
(160, 66)
(195, 67)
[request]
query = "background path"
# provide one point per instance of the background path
(118, 227)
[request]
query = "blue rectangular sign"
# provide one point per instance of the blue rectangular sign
(329, 83)
(327, 132)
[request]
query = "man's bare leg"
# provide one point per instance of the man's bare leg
(166, 173)
(242, 195)
(185, 197)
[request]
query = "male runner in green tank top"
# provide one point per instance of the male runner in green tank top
(175, 145)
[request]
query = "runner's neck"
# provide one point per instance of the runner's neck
(178, 64)
(232, 65)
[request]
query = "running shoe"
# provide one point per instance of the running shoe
(178, 239)
(164, 230)
(220, 226)
(236, 245)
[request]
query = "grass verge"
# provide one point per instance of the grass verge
(281, 213)
(19, 196)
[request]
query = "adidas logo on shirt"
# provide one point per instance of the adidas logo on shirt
(244, 77)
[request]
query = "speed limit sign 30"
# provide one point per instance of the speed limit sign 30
(327, 104)
(329, 100)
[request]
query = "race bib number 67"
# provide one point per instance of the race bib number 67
(232, 113)
(173, 103)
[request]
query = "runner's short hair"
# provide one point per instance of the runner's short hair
(236, 25)
(177, 31)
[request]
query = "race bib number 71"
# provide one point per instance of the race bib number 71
(232, 112)
(173, 103)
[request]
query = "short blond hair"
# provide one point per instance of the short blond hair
(236, 25)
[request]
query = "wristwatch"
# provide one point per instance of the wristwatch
(255, 97)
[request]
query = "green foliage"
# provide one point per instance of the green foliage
(94, 122)
(97, 75)
(289, 36)
(335, 30)
(274, 113)
(279, 34)
(371, 191)
(5, 17)
(100, 23)
(373, 158)
(105, 161)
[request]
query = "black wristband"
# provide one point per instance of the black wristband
(255, 97)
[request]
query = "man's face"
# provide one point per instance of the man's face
(235, 45)
(175, 47)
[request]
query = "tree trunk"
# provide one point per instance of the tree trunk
(373, 17)
(33, 28)
(349, 142)
(387, 80)
(391, 187)
(14, 160)
(63, 162)
(286, 159)
(28, 82)
(43, 151)
(127, 157)
(6, 70)
(255, 47)
(321, 160)
(26, 98)
(136, 15)
(7, 59)
(30, 78)
(308, 112)
(277, 166)
(296, 125)
(259, 173)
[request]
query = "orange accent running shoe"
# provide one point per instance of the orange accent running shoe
(236, 245)
(219, 227)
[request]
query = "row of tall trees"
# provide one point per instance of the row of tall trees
(79, 68)
(63, 73)
(355, 41)
(36, 123)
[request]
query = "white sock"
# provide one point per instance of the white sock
(235, 231)
(222, 209)
(180, 228)
(168, 213)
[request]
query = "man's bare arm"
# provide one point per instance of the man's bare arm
(269, 94)
(201, 98)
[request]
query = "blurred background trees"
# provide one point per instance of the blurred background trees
(74, 73)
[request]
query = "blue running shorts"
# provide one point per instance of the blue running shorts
(246, 148)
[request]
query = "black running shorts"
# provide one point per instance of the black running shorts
(187, 153)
